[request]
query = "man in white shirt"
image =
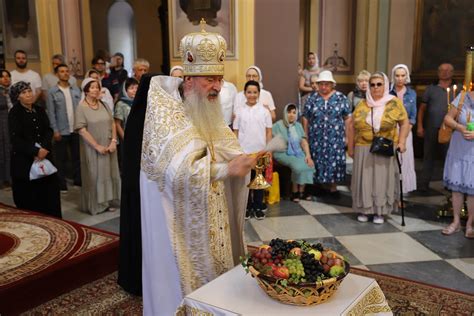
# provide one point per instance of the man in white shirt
(61, 104)
(50, 80)
(22, 73)
(227, 96)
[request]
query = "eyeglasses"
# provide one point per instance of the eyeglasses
(378, 84)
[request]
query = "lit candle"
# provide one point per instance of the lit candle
(454, 91)
(447, 90)
(470, 86)
(464, 87)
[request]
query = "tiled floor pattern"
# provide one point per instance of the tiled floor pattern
(417, 251)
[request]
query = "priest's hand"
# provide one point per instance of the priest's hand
(241, 165)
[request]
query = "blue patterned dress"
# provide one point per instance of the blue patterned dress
(326, 132)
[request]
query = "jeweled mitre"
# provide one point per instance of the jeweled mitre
(203, 53)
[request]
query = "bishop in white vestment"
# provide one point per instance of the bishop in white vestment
(192, 180)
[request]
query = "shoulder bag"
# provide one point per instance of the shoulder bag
(380, 145)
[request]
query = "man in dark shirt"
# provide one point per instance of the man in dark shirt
(109, 81)
(434, 104)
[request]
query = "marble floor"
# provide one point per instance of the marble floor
(417, 251)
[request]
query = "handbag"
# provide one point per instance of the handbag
(380, 145)
(445, 132)
(41, 168)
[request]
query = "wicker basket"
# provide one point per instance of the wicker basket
(303, 294)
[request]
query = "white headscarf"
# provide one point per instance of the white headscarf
(175, 68)
(84, 83)
(392, 78)
(378, 106)
(260, 81)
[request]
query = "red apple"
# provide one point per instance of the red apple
(281, 272)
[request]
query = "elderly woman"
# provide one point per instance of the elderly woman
(375, 177)
(254, 73)
(326, 121)
(358, 94)
(31, 137)
(400, 79)
(297, 156)
(99, 166)
(5, 106)
(105, 95)
(459, 166)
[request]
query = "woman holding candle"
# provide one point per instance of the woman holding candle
(459, 167)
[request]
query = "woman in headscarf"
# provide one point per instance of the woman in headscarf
(326, 120)
(99, 167)
(177, 71)
(105, 95)
(305, 80)
(375, 178)
(5, 106)
(254, 73)
(122, 109)
(399, 88)
(31, 139)
(297, 156)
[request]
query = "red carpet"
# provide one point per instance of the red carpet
(43, 257)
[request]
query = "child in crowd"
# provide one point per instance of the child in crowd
(253, 128)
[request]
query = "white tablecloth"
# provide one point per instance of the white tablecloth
(235, 293)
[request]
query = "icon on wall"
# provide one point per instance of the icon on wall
(335, 62)
(20, 27)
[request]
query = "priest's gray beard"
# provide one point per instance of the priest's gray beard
(205, 115)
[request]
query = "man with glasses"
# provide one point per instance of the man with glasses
(434, 104)
(108, 80)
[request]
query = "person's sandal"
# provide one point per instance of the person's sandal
(469, 233)
(295, 197)
(451, 229)
(305, 197)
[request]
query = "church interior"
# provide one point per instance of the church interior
(68, 266)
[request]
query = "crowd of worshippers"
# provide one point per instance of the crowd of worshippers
(84, 128)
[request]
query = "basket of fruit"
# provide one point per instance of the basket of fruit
(296, 272)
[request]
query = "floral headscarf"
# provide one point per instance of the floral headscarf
(17, 89)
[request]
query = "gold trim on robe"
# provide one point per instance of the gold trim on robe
(179, 160)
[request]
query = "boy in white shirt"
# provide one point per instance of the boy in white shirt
(253, 128)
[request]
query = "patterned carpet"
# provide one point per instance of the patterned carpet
(105, 297)
(42, 257)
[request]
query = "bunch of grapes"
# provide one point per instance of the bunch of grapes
(282, 247)
(261, 256)
(312, 267)
(296, 270)
(318, 246)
